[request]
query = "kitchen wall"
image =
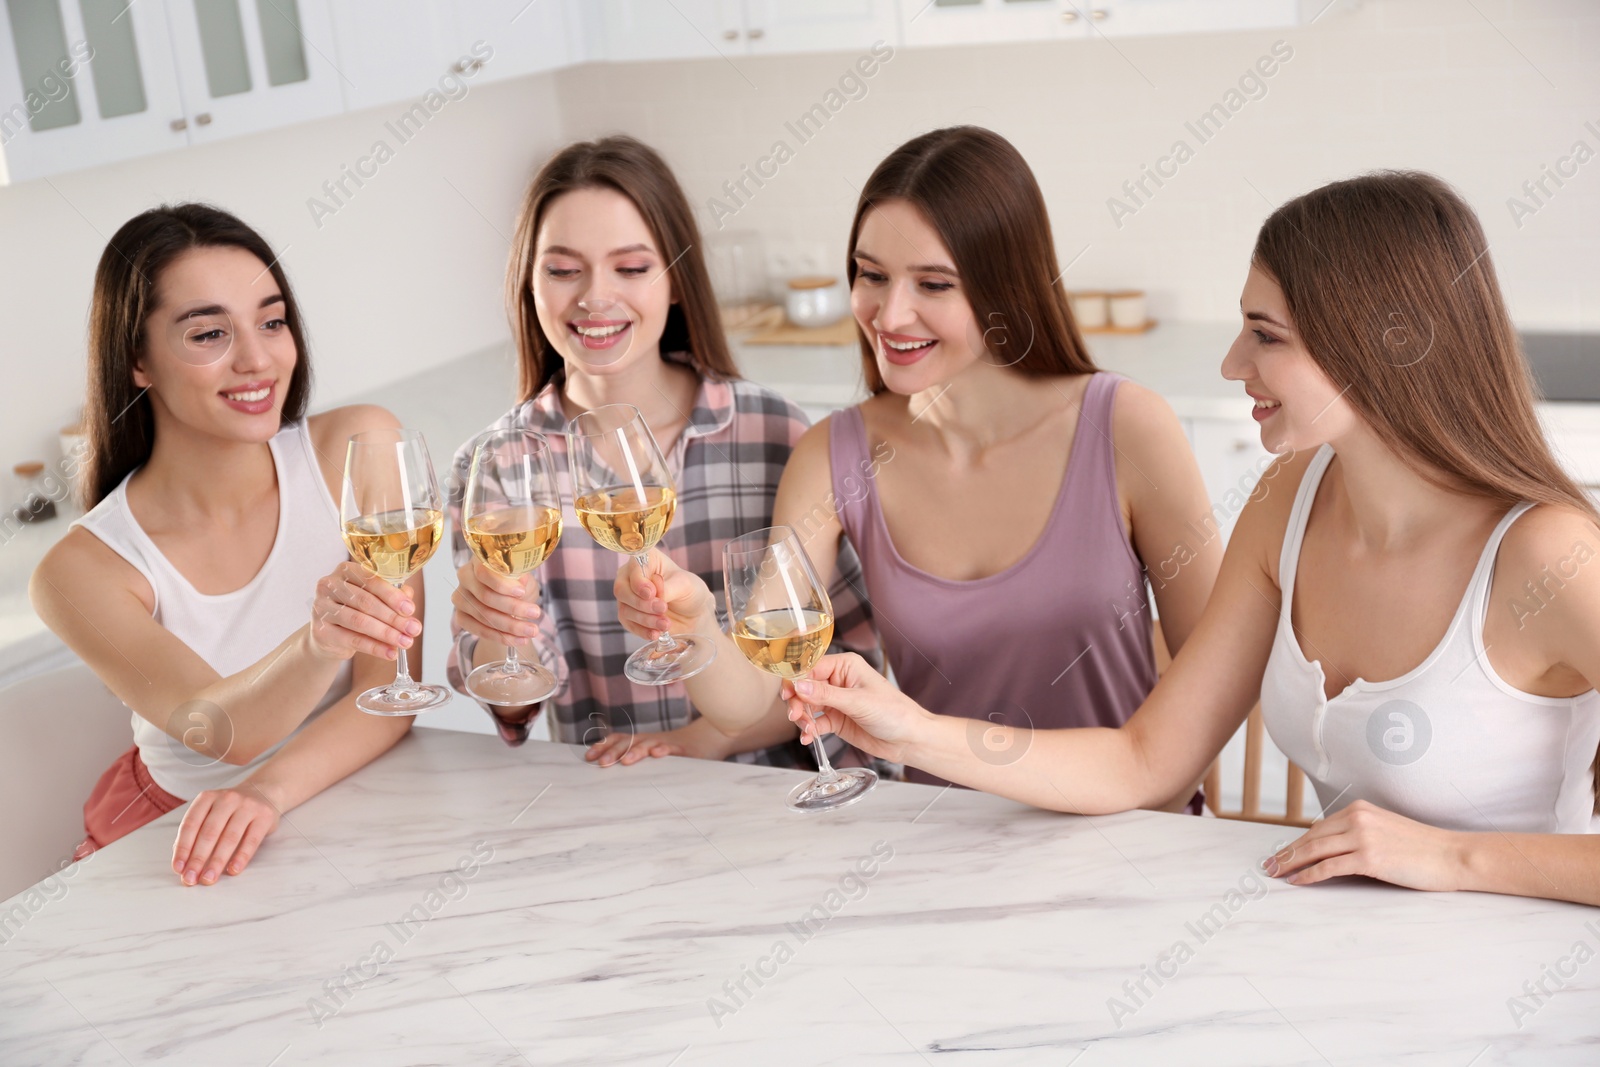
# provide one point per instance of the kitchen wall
(407, 273)
(1484, 93)
(404, 274)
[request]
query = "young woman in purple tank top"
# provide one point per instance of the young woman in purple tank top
(1388, 375)
(1003, 495)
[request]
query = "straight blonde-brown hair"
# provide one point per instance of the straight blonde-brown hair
(637, 171)
(980, 196)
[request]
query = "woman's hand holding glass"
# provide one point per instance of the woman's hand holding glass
(661, 597)
(496, 607)
(845, 696)
(356, 611)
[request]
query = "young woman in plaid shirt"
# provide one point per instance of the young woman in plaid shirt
(606, 238)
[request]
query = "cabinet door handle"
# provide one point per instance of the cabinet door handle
(730, 35)
(1099, 14)
(757, 33)
(203, 119)
(1069, 15)
(179, 125)
(467, 66)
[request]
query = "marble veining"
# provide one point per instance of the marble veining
(459, 902)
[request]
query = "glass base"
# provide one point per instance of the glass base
(511, 684)
(400, 698)
(850, 785)
(658, 664)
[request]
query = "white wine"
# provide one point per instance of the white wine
(395, 544)
(514, 540)
(619, 520)
(784, 642)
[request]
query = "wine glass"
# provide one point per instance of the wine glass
(623, 495)
(393, 522)
(511, 519)
(782, 620)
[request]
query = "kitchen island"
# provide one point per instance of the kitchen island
(461, 902)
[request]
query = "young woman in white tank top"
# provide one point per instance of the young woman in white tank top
(208, 585)
(1412, 590)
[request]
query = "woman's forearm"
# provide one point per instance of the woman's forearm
(1085, 770)
(731, 693)
(342, 740)
(262, 704)
(1553, 866)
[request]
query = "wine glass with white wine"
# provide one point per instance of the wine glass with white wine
(624, 496)
(511, 519)
(782, 620)
(393, 522)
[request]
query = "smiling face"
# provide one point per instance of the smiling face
(1298, 406)
(597, 282)
(217, 353)
(908, 300)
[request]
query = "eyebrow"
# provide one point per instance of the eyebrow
(218, 309)
(563, 250)
(1262, 316)
(915, 268)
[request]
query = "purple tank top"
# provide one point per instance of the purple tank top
(1059, 638)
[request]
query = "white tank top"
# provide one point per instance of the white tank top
(231, 631)
(1449, 743)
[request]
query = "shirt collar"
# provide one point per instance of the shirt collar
(713, 404)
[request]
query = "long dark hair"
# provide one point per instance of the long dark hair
(118, 420)
(1389, 283)
(638, 172)
(978, 193)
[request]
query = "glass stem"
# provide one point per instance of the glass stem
(511, 657)
(402, 670)
(825, 771)
(663, 639)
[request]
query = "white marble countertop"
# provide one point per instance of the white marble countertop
(610, 916)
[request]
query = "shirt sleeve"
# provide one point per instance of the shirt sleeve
(546, 647)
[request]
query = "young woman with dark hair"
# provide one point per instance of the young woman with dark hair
(208, 585)
(1407, 594)
(610, 303)
(1004, 495)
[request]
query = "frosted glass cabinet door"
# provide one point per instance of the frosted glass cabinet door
(84, 82)
(248, 65)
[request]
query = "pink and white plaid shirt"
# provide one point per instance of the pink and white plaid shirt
(726, 465)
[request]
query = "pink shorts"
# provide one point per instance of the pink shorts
(124, 799)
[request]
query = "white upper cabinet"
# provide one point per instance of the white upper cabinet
(390, 50)
(248, 65)
(84, 82)
(948, 22)
(818, 25)
(671, 29)
(524, 37)
(690, 29)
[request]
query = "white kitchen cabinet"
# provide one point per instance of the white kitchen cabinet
(672, 29)
(688, 29)
(526, 36)
(948, 22)
(249, 65)
(390, 50)
(1231, 462)
(819, 25)
(119, 99)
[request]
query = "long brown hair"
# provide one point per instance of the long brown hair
(118, 420)
(1389, 283)
(1388, 280)
(978, 193)
(638, 172)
